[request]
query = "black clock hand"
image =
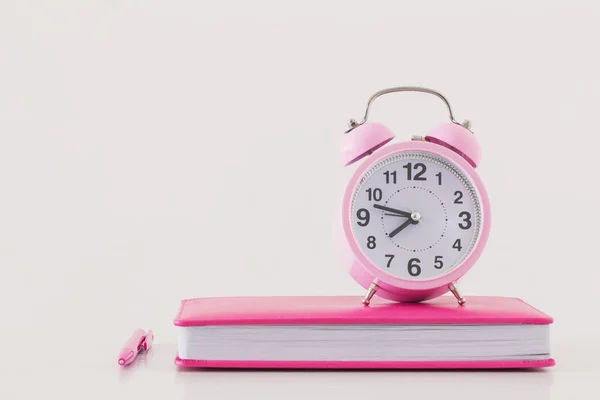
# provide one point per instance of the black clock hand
(401, 227)
(392, 210)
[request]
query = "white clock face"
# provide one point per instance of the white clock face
(415, 215)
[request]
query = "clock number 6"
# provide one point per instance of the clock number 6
(414, 269)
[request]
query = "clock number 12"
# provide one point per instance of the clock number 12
(419, 168)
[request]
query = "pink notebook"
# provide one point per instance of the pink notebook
(338, 332)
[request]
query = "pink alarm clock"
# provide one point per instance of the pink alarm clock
(415, 214)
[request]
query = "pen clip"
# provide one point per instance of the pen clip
(146, 342)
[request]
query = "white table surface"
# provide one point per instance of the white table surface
(152, 151)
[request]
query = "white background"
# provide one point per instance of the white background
(152, 151)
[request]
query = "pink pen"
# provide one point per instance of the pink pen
(132, 347)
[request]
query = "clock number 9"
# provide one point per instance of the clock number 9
(364, 217)
(414, 269)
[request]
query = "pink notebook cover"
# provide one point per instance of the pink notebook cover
(288, 310)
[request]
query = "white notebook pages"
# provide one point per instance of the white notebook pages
(365, 342)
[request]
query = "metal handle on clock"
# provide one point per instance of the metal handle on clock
(353, 123)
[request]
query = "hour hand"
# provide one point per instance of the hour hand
(401, 227)
(392, 210)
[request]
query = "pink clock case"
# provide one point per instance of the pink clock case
(392, 287)
(369, 142)
(289, 310)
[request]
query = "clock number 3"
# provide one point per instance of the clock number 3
(466, 220)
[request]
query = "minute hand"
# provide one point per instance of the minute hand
(392, 210)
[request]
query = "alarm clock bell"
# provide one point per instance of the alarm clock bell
(363, 141)
(459, 139)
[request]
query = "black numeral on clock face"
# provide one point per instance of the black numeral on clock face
(374, 194)
(459, 196)
(466, 222)
(414, 269)
(438, 263)
(439, 176)
(419, 169)
(457, 245)
(390, 177)
(363, 216)
(371, 242)
(391, 257)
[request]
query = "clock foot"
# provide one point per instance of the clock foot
(456, 293)
(370, 293)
